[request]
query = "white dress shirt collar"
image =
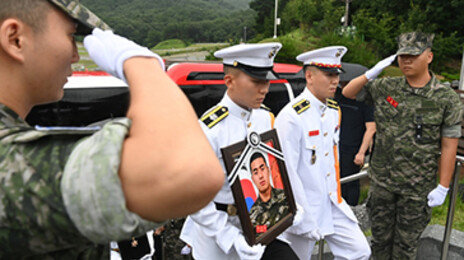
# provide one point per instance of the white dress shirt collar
(235, 109)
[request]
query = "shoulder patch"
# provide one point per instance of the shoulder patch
(332, 103)
(265, 107)
(301, 106)
(214, 116)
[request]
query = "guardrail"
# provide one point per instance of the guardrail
(451, 206)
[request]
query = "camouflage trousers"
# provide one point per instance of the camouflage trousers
(397, 223)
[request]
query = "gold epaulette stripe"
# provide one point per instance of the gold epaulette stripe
(265, 107)
(332, 106)
(331, 101)
(215, 116)
(301, 106)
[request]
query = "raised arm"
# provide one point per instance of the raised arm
(168, 168)
(356, 84)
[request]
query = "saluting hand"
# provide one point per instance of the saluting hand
(377, 69)
(110, 51)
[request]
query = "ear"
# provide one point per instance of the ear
(308, 75)
(12, 38)
(229, 80)
(429, 57)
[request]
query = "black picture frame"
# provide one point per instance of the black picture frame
(237, 161)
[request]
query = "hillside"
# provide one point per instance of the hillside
(149, 22)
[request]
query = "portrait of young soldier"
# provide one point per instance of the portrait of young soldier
(215, 231)
(271, 205)
(66, 193)
(418, 127)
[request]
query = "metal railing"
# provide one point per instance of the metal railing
(451, 206)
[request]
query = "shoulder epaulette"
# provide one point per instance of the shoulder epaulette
(332, 103)
(301, 106)
(214, 116)
(265, 107)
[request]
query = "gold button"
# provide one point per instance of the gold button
(330, 193)
(326, 154)
(328, 174)
(323, 114)
(249, 125)
(325, 134)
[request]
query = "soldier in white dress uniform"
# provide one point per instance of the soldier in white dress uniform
(308, 129)
(215, 232)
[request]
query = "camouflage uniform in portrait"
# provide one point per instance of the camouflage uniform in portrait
(54, 183)
(270, 212)
(404, 165)
(172, 243)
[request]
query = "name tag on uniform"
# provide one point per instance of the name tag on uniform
(314, 133)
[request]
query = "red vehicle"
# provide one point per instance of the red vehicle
(94, 96)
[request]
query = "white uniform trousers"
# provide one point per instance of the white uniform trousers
(347, 242)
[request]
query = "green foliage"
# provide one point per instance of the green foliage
(359, 50)
(446, 49)
(170, 44)
(377, 23)
(148, 22)
(377, 30)
(450, 77)
(292, 44)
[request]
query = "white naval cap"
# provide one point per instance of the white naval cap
(257, 60)
(327, 59)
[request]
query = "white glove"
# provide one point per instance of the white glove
(375, 71)
(186, 250)
(109, 51)
(298, 215)
(314, 235)
(437, 196)
(246, 252)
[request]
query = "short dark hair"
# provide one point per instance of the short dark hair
(31, 12)
(230, 70)
(255, 156)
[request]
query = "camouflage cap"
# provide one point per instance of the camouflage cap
(414, 43)
(85, 18)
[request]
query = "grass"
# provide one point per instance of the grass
(392, 71)
(170, 44)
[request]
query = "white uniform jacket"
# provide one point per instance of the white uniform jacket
(211, 232)
(308, 131)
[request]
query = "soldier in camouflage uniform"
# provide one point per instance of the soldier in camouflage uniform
(417, 117)
(66, 192)
(271, 205)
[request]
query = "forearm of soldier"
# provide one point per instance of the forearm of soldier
(368, 135)
(354, 86)
(447, 160)
(168, 168)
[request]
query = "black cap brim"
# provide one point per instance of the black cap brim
(331, 70)
(255, 72)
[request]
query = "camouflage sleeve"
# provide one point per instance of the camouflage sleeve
(365, 94)
(453, 116)
(92, 191)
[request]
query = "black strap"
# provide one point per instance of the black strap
(220, 206)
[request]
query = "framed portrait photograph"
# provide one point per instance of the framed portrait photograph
(259, 182)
